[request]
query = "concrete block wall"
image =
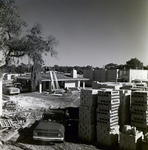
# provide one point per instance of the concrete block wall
(88, 73)
(131, 139)
(137, 74)
(139, 110)
(87, 115)
(100, 75)
(107, 116)
(111, 75)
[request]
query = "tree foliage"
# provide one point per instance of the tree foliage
(10, 28)
(134, 63)
(111, 66)
(15, 44)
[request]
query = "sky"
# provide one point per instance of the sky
(91, 32)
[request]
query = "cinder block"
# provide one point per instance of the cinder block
(86, 132)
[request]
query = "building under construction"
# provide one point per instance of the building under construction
(53, 80)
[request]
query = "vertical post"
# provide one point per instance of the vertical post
(0, 97)
(83, 84)
(40, 87)
(78, 84)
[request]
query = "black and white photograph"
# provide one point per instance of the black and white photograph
(73, 75)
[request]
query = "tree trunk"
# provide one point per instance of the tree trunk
(35, 77)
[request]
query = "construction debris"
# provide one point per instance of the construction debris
(10, 106)
(6, 123)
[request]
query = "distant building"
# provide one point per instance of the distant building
(88, 73)
(128, 75)
(99, 75)
(114, 75)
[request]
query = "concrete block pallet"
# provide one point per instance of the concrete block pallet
(106, 113)
(6, 123)
(144, 145)
(107, 137)
(108, 106)
(130, 142)
(102, 129)
(125, 98)
(124, 116)
(130, 139)
(107, 117)
(87, 115)
(139, 110)
(89, 91)
(145, 142)
(86, 131)
(88, 98)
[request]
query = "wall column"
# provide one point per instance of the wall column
(83, 84)
(78, 84)
(40, 87)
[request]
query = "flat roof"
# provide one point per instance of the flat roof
(60, 77)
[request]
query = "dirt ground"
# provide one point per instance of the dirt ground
(31, 107)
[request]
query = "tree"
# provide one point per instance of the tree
(14, 45)
(134, 63)
(10, 69)
(22, 68)
(10, 28)
(111, 66)
(36, 46)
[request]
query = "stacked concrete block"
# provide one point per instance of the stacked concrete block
(124, 109)
(139, 110)
(87, 132)
(107, 117)
(106, 85)
(107, 137)
(87, 115)
(145, 142)
(88, 98)
(130, 139)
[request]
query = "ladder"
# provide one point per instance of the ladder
(54, 81)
